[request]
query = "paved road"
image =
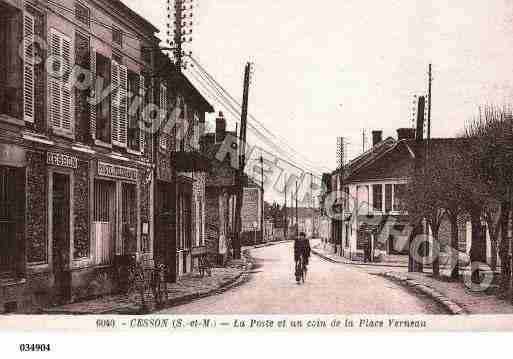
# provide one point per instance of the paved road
(330, 289)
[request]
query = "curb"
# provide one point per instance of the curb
(438, 297)
(231, 283)
(326, 258)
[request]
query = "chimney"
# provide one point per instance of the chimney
(377, 137)
(420, 118)
(406, 134)
(220, 127)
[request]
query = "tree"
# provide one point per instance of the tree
(492, 138)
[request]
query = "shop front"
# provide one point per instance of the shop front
(12, 224)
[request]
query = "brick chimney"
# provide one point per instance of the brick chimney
(220, 127)
(406, 134)
(420, 118)
(377, 137)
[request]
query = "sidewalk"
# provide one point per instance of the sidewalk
(453, 294)
(189, 288)
(390, 262)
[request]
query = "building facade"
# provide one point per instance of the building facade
(75, 168)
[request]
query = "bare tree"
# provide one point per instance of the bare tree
(492, 138)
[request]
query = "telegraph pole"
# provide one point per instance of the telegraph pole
(429, 102)
(262, 199)
(286, 229)
(242, 162)
(297, 214)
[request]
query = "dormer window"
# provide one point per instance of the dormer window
(117, 36)
(83, 14)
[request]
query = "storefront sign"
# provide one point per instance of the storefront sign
(11, 155)
(115, 171)
(61, 160)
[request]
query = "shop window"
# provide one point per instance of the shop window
(388, 198)
(11, 82)
(8, 210)
(377, 197)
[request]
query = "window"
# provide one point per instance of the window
(134, 117)
(10, 66)
(388, 198)
(163, 112)
(377, 197)
(60, 94)
(117, 36)
(346, 199)
(101, 112)
(399, 194)
(119, 110)
(83, 14)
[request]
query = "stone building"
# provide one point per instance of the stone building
(76, 175)
(221, 190)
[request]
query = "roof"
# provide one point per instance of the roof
(397, 161)
(125, 10)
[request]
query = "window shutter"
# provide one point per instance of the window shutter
(28, 68)
(92, 103)
(142, 93)
(115, 103)
(163, 108)
(123, 106)
(60, 94)
(67, 98)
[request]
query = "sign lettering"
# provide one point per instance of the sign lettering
(61, 160)
(115, 171)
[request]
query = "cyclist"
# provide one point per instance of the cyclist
(301, 250)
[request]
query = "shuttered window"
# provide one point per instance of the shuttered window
(163, 111)
(119, 110)
(28, 68)
(134, 111)
(60, 94)
(92, 102)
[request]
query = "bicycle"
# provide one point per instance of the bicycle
(301, 270)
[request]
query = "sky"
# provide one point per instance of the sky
(325, 69)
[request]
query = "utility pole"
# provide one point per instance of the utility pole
(242, 162)
(297, 214)
(262, 198)
(312, 204)
(429, 103)
(179, 28)
(286, 219)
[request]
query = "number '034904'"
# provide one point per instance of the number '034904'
(34, 347)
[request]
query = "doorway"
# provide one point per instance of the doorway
(8, 222)
(104, 221)
(61, 235)
(166, 229)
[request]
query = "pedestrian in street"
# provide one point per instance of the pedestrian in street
(302, 250)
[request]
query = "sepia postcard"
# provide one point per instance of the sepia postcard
(211, 165)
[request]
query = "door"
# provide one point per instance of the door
(61, 235)
(166, 234)
(104, 221)
(8, 211)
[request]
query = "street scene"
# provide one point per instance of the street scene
(201, 157)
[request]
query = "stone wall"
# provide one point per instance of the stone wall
(37, 246)
(82, 240)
